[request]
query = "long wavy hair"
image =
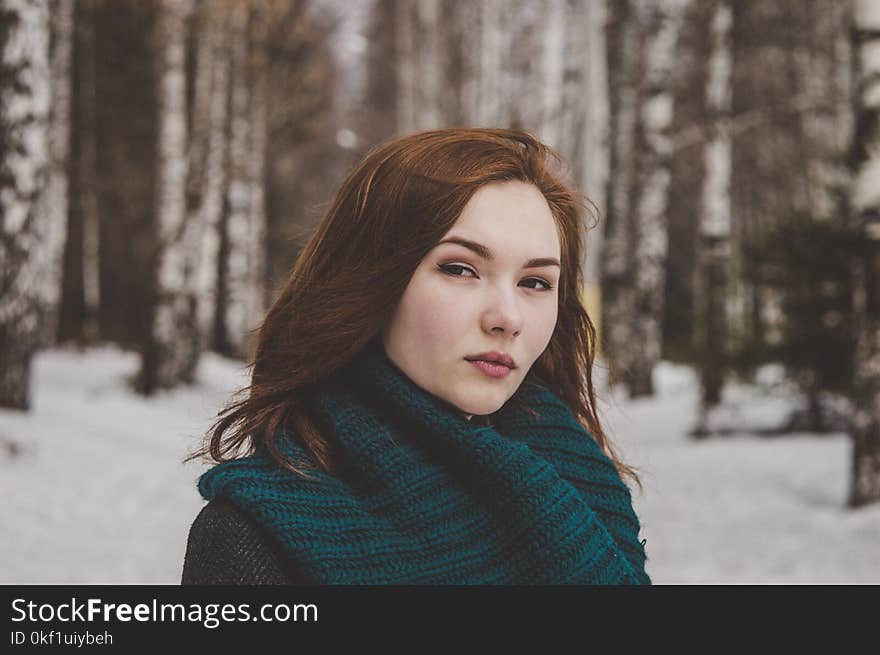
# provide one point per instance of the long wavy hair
(392, 209)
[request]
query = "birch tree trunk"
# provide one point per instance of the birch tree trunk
(618, 267)
(233, 284)
(865, 480)
(166, 357)
(258, 300)
(823, 65)
(81, 282)
(594, 155)
(660, 22)
(26, 231)
(54, 199)
(205, 177)
(714, 236)
(206, 210)
(241, 286)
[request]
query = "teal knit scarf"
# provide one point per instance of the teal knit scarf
(426, 497)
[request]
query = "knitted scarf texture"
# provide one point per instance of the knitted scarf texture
(425, 497)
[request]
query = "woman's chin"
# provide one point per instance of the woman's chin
(481, 407)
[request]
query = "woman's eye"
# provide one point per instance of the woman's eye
(450, 268)
(547, 285)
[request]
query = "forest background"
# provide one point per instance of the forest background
(162, 163)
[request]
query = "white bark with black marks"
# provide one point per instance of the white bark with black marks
(208, 210)
(54, 200)
(865, 479)
(623, 48)
(26, 229)
(713, 249)
(242, 308)
(659, 23)
(167, 358)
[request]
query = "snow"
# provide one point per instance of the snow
(98, 493)
(739, 508)
(95, 491)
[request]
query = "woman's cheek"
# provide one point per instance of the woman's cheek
(547, 324)
(444, 316)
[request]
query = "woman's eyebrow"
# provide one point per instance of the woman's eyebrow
(486, 253)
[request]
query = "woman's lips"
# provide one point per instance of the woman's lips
(492, 369)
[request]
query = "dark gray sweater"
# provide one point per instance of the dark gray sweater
(227, 547)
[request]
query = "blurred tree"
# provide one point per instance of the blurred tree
(283, 158)
(865, 159)
(659, 24)
(641, 42)
(126, 138)
(172, 283)
(170, 346)
(206, 179)
(791, 125)
(28, 231)
(53, 201)
(713, 246)
(685, 184)
(304, 158)
(81, 282)
(618, 270)
(241, 279)
(381, 94)
(790, 88)
(806, 261)
(587, 130)
(421, 66)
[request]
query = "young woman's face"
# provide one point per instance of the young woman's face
(500, 294)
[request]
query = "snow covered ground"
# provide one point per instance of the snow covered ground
(95, 492)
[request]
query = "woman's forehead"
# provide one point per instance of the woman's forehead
(509, 216)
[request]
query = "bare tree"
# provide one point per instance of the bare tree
(25, 81)
(624, 56)
(241, 293)
(166, 358)
(659, 24)
(865, 480)
(54, 199)
(686, 180)
(790, 124)
(714, 233)
(81, 283)
(208, 154)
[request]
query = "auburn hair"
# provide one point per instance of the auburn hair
(390, 211)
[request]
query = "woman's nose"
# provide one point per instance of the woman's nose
(502, 313)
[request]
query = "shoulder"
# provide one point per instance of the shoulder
(227, 546)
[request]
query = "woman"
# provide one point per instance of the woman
(421, 409)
